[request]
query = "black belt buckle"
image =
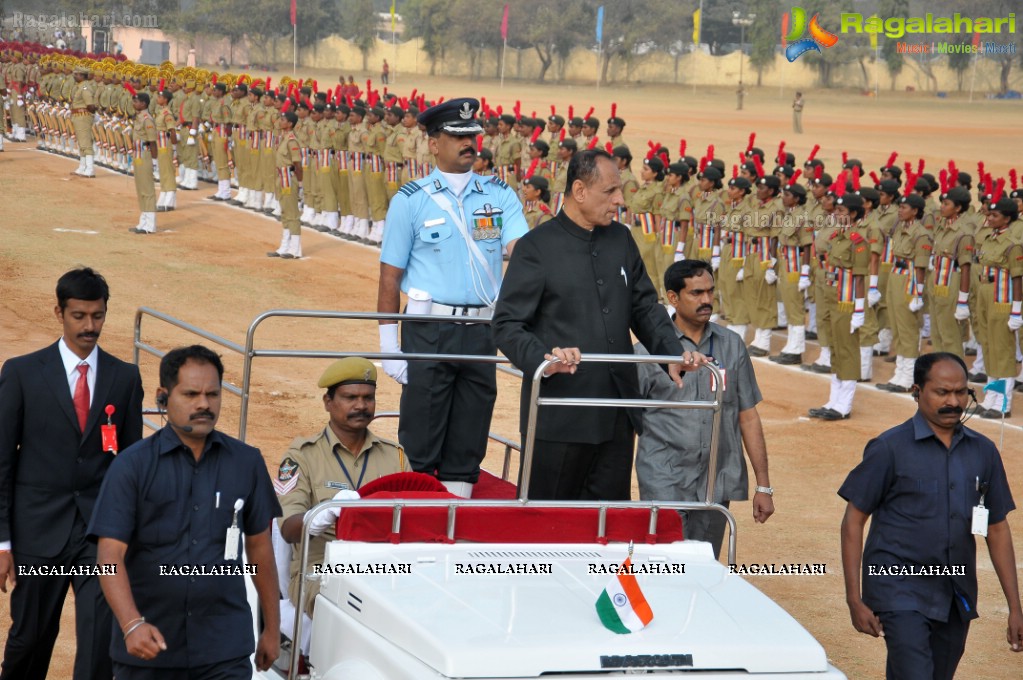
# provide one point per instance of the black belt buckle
(990, 278)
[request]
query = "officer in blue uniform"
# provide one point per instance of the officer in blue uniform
(443, 247)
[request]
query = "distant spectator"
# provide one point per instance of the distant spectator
(385, 73)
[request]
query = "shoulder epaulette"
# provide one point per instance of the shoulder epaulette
(544, 209)
(410, 188)
(494, 179)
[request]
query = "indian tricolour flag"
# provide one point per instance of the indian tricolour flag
(622, 607)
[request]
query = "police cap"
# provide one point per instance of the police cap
(889, 186)
(914, 201)
(739, 183)
(770, 181)
(615, 120)
(349, 371)
(712, 173)
(556, 119)
(455, 117)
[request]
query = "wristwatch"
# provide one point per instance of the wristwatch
(765, 489)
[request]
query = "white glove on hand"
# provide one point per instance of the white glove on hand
(804, 277)
(858, 317)
(396, 368)
(327, 519)
(771, 277)
(740, 275)
(962, 312)
(715, 258)
(873, 297)
(21, 102)
(1015, 318)
(916, 304)
(190, 142)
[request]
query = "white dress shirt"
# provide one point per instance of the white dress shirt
(71, 362)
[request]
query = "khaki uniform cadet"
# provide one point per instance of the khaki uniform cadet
(566, 150)
(374, 141)
(357, 179)
(145, 154)
(871, 230)
(703, 242)
(255, 126)
(189, 114)
(83, 106)
(794, 239)
(911, 246)
(394, 147)
(305, 133)
(17, 85)
(615, 125)
(343, 185)
(535, 194)
(675, 210)
(326, 172)
(948, 285)
(290, 172)
(410, 149)
(220, 120)
(102, 132)
(761, 276)
(167, 134)
(886, 216)
(316, 468)
(270, 128)
(508, 152)
(732, 246)
(206, 171)
(3, 102)
(555, 125)
(630, 185)
(1000, 260)
(426, 159)
(240, 106)
(823, 224)
(645, 204)
(846, 263)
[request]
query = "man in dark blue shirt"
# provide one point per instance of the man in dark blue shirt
(169, 518)
(924, 483)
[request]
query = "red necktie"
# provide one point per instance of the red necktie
(82, 396)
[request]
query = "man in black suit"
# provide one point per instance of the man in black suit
(53, 405)
(577, 284)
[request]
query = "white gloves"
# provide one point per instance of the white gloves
(916, 304)
(1015, 318)
(715, 258)
(858, 317)
(962, 312)
(873, 294)
(191, 137)
(804, 277)
(771, 277)
(740, 275)
(396, 368)
(327, 519)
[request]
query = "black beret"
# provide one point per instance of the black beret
(556, 119)
(740, 183)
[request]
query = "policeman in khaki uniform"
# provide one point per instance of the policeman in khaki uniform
(761, 277)
(167, 139)
(732, 254)
(794, 239)
(333, 464)
(290, 173)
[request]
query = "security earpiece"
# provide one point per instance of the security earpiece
(161, 399)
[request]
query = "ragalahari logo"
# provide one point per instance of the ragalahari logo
(794, 25)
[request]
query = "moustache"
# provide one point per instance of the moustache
(950, 410)
(705, 308)
(89, 336)
(201, 414)
(360, 415)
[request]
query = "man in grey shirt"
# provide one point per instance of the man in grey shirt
(674, 449)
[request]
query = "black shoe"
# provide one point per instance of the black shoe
(214, 197)
(757, 352)
(890, 359)
(786, 359)
(235, 201)
(893, 388)
(978, 377)
(811, 335)
(161, 208)
(970, 351)
(831, 414)
(818, 368)
(992, 414)
(816, 412)
(136, 230)
(879, 353)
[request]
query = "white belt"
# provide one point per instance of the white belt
(449, 310)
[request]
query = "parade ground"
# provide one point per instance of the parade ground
(207, 265)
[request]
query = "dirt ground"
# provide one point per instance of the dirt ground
(207, 266)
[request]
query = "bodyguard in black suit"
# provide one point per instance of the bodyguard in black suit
(577, 284)
(51, 468)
